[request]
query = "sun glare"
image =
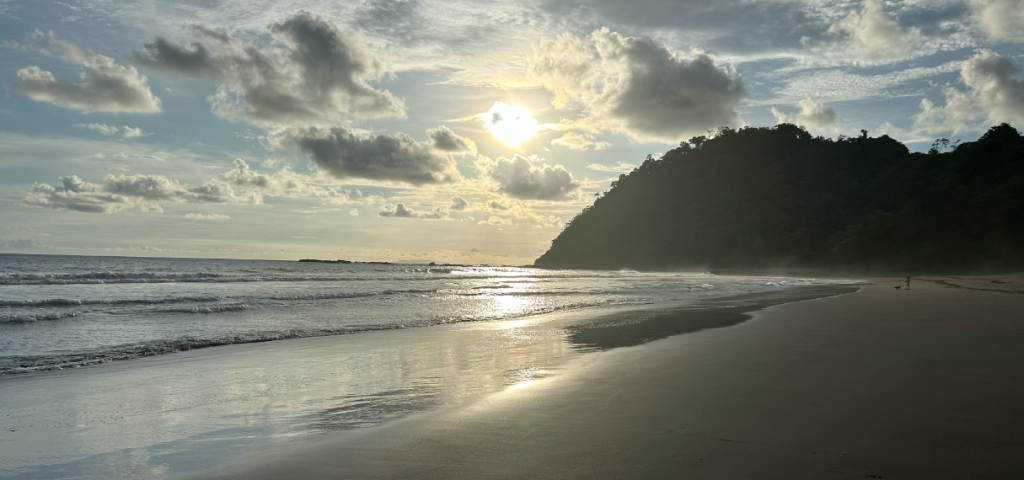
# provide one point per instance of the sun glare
(510, 124)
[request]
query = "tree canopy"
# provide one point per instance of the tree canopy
(780, 197)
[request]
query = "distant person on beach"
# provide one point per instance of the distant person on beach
(908, 281)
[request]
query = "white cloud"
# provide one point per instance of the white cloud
(637, 86)
(401, 211)
(109, 130)
(104, 86)
(344, 154)
(995, 94)
(813, 116)
(579, 141)
(891, 130)
(873, 34)
(312, 74)
(995, 81)
(493, 220)
(354, 212)
(1000, 19)
(838, 85)
(518, 177)
(619, 167)
(206, 216)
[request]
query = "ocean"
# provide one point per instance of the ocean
(112, 366)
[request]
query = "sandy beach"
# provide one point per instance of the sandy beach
(925, 383)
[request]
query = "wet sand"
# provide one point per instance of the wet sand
(926, 383)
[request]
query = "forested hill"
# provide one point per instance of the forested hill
(779, 197)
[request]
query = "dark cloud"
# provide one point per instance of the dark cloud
(114, 195)
(103, 86)
(446, 140)
(239, 186)
(344, 154)
(401, 211)
(519, 178)
(314, 74)
(458, 204)
(638, 87)
(195, 61)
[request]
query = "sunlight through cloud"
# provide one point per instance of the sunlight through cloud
(510, 124)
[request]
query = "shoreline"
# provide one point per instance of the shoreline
(878, 384)
(240, 398)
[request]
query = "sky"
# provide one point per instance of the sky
(455, 131)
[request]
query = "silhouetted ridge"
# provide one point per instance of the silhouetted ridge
(771, 197)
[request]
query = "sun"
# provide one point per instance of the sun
(510, 124)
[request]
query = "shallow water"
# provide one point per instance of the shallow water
(357, 345)
(68, 311)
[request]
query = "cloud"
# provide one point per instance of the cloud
(637, 87)
(492, 220)
(740, 27)
(891, 130)
(446, 140)
(109, 130)
(995, 81)
(104, 86)
(312, 74)
(995, 93)
(519, 178)
(354, 212)
(398, 20)
(284, 183)
(619, 167)
(117, 193)
(22, 244)
(219, 191)
(1000, 19)
(458, 204)
(874, 34)
(564, 65)
(343, 154)
(206, 216)
(238, 186)
(579, 141)
(498, 205)
(401, 211)
(813, 116)
(548, 221)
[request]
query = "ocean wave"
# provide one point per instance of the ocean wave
(151, 277)
(34, 317)
(332, 296)
(27, 364)
(34, 363)
(73, 302)
(238, 307)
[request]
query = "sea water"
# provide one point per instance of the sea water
(59, 311)
(118, 367)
